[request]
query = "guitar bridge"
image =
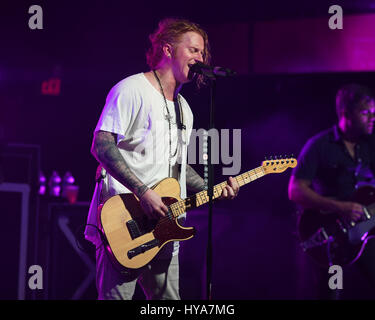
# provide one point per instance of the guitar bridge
(143, 248)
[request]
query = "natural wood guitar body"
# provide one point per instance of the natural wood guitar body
(121, 209)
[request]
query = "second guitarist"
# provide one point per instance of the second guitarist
(333, 164)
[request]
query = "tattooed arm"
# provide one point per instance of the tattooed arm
(194, 182)
(105, 150)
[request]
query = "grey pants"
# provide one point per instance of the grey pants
(159, 279)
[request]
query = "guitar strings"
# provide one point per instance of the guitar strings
(180, 207)
(203, 196)
(241, 179)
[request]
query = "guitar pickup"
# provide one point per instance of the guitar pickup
(133, 229)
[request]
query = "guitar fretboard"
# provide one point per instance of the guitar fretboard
(202, 197)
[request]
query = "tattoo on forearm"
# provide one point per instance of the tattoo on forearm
(106, 152)
(194, 181)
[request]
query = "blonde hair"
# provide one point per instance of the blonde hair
(170, 31)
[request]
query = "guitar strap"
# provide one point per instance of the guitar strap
(179, 115)
(181, 128)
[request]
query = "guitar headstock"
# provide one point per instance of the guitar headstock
(278, 165)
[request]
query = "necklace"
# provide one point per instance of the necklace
(168, 117)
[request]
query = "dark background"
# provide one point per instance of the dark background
(91, 45)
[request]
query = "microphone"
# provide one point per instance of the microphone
(208, 71)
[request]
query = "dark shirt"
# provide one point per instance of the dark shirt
(326, 162)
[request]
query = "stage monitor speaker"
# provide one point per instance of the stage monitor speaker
(70, 258)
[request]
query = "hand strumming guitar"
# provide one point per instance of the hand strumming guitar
(350, 211)
(153, 205)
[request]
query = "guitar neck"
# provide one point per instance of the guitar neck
(202, 197)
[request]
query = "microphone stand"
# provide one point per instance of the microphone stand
(210, 73)
(210, 190)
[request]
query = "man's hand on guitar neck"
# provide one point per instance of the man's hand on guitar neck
(152, 204)
(231, 189)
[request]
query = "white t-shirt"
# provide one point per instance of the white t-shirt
(135, 111)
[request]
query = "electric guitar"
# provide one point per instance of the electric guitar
(133, 239)
(328, 239)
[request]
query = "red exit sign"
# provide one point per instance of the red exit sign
(51, 87)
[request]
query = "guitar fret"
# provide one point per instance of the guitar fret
(178, 208)
(240, 180)
(173, 209)
(200, 199)
(182, 207)
(247, 176)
